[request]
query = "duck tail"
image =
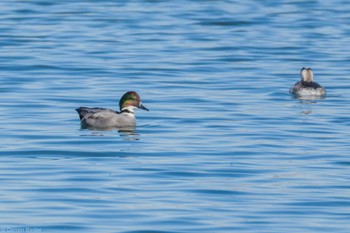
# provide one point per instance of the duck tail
(81, 111)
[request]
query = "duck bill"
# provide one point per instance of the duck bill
(143, 107)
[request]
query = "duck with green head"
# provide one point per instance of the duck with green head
(100, 118)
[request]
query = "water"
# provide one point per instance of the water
(224, 147)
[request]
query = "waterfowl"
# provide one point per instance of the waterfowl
(307, 86)
(100, 118)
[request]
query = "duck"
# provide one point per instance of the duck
(307, 86)
(103, 118)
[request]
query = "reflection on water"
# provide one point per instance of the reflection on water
(129, 134)
(310, 98)
(307, 102)
(126, 133)
(307, 112)
(93, 133)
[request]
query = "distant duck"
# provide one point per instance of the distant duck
(101, 118)
(307, 86)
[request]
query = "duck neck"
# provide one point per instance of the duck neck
(130, 110)
(307, 75)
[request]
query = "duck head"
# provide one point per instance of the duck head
(306, 74)
(130, 101)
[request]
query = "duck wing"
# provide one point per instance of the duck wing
(83, 111)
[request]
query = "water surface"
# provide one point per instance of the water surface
(224, 148)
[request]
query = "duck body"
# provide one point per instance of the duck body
(104, 118)
(307, 87)
(303, 88)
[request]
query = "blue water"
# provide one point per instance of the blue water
(224, 147)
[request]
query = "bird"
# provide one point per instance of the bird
(307, 86)
(104, 118)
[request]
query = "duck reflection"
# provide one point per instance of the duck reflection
(129, 134)
(306, 103)
(126, 133)
(311, 99)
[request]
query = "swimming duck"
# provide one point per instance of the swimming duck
(107, 118)
(307, 86)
